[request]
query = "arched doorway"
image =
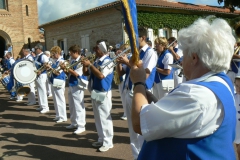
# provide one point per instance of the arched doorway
(4, 40)
(2, 46)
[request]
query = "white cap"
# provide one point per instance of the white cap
(47, 52)
(5, 52)
(102, 46)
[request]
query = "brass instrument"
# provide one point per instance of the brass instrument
(58, 69)
(91, 58)
(171, 43)
(113, 61)
(43, 67)
(237, 50)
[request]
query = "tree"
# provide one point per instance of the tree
(231, 4)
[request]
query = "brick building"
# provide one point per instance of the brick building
(18, 24)
(106, 22)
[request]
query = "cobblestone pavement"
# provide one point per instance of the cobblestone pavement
(26, 134)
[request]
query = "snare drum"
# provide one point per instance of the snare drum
(5, 79)
(23, 71)
(22, 89)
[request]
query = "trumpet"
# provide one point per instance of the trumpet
(58, 69)
(43, 67)
(91, 58)
(171, 43)
(113, 61)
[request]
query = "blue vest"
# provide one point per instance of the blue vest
(149, 80)
(40, 61)
(73, 81)
(159, 76)
(175, 50)
(235, 65)
(104, 84)
(9, 64)
(218, 146)
(60, 76)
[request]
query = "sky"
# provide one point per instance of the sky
(50, 10)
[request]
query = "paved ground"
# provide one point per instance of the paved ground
(26, 134)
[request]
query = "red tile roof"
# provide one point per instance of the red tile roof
(154, 3)
(185, 6)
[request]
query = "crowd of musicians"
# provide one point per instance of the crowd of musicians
(161, 120)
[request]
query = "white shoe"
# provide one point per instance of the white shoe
(44, 111)
(12, 97)
(79, 131)
(50, 95)
(71, 126)
(60, 121)
(124, 118)
(97, 144)
(31, 104)
(39, 109)
(56, 119)
(19, 100)
(105, 148)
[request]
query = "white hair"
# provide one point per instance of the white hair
(213, 42)
(47, 53)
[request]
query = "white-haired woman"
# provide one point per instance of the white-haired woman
(199, 114)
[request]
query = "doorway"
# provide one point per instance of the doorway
(2, 46)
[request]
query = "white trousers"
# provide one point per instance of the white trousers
(76, 106)
(177, 79)
(42, 92)
(49, 88)
(103, 119)
(31, 95)
(122, 95)
(158, 91)
(59, 102)
(136, 140)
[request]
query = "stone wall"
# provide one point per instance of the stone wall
(104, 24)
(17, 25)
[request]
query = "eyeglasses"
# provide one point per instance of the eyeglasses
(36, 48)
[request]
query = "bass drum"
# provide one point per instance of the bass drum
(23, 71)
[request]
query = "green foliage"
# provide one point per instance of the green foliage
(157, 20)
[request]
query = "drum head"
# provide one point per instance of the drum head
(23, 72)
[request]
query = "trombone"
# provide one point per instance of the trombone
(113, 61)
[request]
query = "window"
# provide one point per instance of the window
(163, 32)
(29, 43)
(2, 4)
(26, 10)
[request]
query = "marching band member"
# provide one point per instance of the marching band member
(48, 84)
(189, 122)
(163, 70)
(149, 59)
(19, 97)
(237, 105)
(40, 60)
(57, 81)
(101, 94)
(234, 67)
(31, 96)
(10, 61)
(121, 82)
(77, 85)
(177, 55)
